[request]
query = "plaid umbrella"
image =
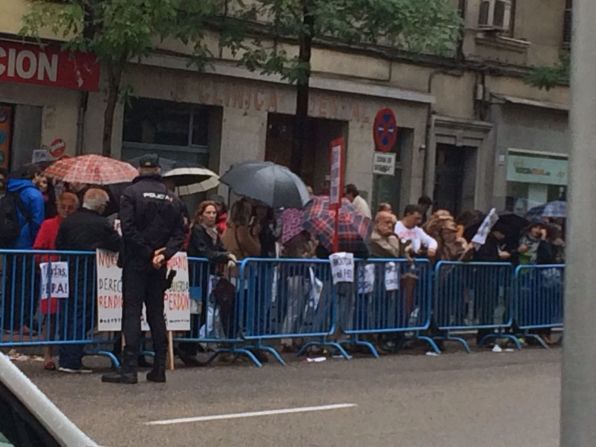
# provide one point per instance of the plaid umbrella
(354, 228)
(292, 223)
(557, 209)
(92, 170)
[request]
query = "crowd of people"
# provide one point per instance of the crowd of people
(57, 216)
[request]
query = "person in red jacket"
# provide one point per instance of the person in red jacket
(66, 204)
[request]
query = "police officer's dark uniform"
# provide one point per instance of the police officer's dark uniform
(150, 220)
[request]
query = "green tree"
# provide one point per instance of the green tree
(547, 77)
(417, 26)
(120, 31)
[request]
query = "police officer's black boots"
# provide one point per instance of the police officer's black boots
(157, 374)
(126, 374)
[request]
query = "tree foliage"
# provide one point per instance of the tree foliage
(548, 77)
(417, 26)
(118, 31)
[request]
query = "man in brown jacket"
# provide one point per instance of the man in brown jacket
(383, 242)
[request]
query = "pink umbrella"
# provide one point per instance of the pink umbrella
(91, 170)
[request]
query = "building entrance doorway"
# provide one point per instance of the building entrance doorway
(315, 159)
(455, 178)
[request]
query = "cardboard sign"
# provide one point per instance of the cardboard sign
(177, 297)
(54, 280)
(366, 279)
(391, 276)
(488, 223)
(342, 267)
(109, 294)
(109, 291)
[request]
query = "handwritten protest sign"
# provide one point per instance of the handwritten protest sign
(342, 267)
(391, 276)
(109, 294)
(366, 279)
(177, 297)
(54, 280)
(109, 291)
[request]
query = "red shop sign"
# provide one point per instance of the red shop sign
(48, 65)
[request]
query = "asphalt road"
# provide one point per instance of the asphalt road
(456, 399)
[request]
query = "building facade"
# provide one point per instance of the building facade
(471, 132)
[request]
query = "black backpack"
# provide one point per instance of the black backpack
(10, 206)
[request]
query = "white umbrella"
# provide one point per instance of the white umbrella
(192, 179)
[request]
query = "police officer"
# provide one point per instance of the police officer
(152, 232)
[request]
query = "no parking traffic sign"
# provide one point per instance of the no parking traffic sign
(385, 130)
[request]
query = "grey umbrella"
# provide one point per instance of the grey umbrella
(267, 182)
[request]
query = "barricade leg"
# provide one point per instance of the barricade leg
(325, 343)
(430, 342)
(355, 340)
(236, 352)
(500, 335)
(266, 348)
(536, 337)
(449, 337)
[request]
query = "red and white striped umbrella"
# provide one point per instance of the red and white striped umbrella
(92, 170)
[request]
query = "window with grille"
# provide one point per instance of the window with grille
(567, 24)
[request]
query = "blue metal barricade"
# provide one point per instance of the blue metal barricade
(285, 299)
(388, 296)
(539, 305)
(217, 307)
(31, 314)
(473, 296)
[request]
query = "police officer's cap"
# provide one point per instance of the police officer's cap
(149, 161)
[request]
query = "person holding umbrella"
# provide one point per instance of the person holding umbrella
(241, 237)
(152, 232)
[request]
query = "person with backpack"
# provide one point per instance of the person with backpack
(23, 204)
(21, 215)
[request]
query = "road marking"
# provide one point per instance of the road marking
(251, 414)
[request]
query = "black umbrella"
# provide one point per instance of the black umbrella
(272, 184)
(509, 224)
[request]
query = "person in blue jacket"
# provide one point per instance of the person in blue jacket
(21, 299)
(32, 203)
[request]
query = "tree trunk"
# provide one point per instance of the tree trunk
(114, 78)
(302, 91)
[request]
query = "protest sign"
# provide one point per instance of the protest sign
(391, 276)
(177, 297)
(109, 294)
(366, 279)
(109, 291)
(342, 267)
(54, 280)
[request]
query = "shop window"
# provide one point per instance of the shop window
(172, 130)
(534, 179)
